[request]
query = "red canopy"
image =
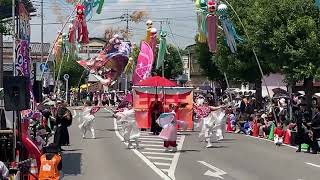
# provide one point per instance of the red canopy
(157, 81)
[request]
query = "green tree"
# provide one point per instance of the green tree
(207, 64)
(242, 65)
(71, 67)
(288, 32)
(172, 64)
(5, 8)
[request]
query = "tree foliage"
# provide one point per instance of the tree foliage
(70, 66)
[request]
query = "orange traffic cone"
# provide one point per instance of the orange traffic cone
(287, 137)
(255, 132)
(33, 170)
(229, 128)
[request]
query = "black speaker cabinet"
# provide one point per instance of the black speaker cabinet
(16, 93)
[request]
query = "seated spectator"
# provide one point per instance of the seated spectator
(247, 127)
(278, 134)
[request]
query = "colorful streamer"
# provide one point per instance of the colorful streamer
(90, 5)
(110, 62)
(79, 25)
(149, 28)
(212, 27)
(229, 30)
(162, 49)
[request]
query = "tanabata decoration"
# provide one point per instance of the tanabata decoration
(110, 62)
(162, 49)
(90, 5)
(201, 6)
(230, 33)
(129, 67)
(79, 25)
(209, 12)
(57, 51)
(149, 28)
(153, 40)
(212, 26)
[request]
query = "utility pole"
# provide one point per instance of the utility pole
(42, 32)
(127, 34)
(163, 60)
(42, 52)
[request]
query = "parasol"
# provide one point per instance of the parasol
(157, 81)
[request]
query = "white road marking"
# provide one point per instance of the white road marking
(157, 153)
(161, 158)
(154, 149)
(311, 164)
(140, 155)
(162, 164)
(218, 172)
(174, 163)
(153, 145)
(152, 142)
(151, 139)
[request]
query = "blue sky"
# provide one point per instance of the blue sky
(181, 15)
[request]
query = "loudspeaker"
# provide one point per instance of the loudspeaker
(16, 93)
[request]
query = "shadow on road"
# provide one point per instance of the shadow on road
(71, 163)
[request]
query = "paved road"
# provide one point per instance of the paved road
(105, 157)
(237, 158)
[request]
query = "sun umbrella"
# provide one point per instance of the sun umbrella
(157, 81)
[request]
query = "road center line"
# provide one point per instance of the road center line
(311, 164)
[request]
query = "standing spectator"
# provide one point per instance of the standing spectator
(63, 120)
(315, 131)
(301, 117)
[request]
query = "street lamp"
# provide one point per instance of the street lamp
(66, 78)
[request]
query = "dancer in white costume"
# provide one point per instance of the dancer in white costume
(88, 119)
(211, 122)
(129, 124)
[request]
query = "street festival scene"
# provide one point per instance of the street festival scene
(150, 89)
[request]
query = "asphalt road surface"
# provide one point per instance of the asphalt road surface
(238, 157)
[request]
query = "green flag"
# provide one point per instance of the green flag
(162, 49)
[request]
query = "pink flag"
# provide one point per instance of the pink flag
(144, 63)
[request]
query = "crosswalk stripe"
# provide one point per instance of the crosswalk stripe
(153, 142)
(150, 138)
(161, 164)
(161, 158)
(154, 149)
(156, 145)
(157, 153)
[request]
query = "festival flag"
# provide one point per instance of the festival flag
(144, 63)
